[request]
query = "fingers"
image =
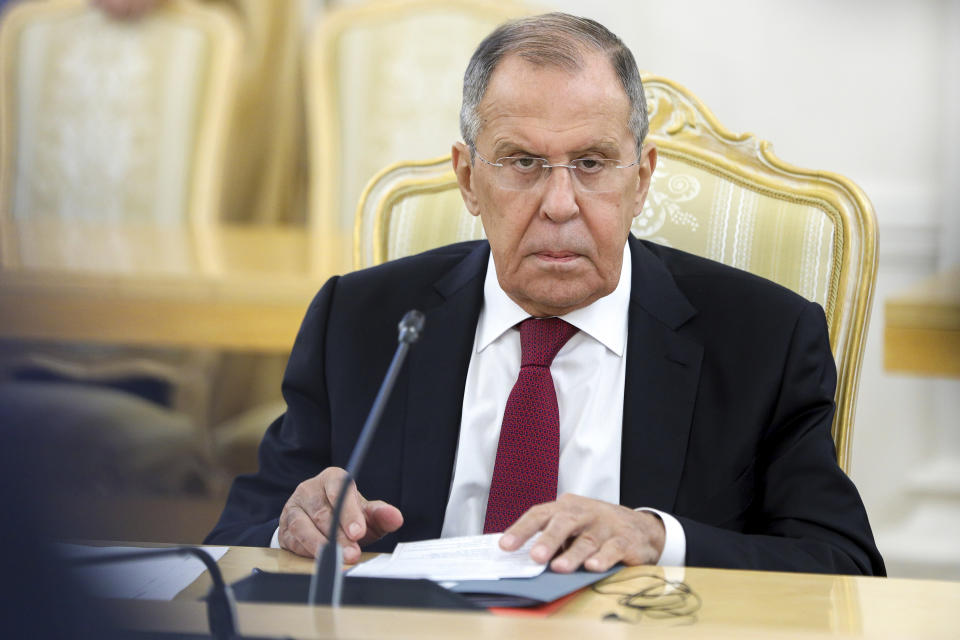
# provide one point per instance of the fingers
(307, 518)
(572, 519)
(611, 552)
(299, 533)
(577, 531)
(353, 523)
(532, 521)
(381, 518)
(556, 521)
(582, 547)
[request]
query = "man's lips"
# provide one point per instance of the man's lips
(557, 256)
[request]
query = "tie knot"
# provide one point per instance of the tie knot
(541, 339)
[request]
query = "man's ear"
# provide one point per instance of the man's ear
(463, 167)
(646, 167)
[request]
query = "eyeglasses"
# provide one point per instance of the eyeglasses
(521, 173)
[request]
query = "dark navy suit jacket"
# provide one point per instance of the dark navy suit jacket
(727, 409)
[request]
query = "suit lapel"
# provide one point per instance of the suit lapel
(437, 371)
(663, 371)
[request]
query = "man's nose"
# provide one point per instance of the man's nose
(559, 196)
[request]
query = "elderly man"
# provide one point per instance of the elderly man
(630, 402)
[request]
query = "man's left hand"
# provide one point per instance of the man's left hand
(589, 532)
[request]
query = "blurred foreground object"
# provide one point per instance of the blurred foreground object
(126, 9)
(40, 599)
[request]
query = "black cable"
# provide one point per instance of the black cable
(662, 599)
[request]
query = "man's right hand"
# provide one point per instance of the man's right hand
(306, 518)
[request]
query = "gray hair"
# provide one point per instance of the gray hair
(555, 39)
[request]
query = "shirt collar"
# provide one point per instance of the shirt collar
(605, 320)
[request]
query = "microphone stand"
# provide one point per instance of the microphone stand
(326, 585)
(221, 609)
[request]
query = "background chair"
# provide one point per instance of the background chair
(105, 122)
(108, 125)
(714, 193)
(383, 84)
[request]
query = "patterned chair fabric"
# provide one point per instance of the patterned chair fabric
(105, 122)
(714, 193)
(383, 84)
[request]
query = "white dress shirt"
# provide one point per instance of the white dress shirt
(588, 374)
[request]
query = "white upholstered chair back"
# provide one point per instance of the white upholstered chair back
(109, 122)
(383, 84)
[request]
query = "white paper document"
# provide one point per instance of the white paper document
(151, 579)
(446, 559)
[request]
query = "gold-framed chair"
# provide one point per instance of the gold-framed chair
(369, 71)
(111, 122)
(108, 125)
(714, 193)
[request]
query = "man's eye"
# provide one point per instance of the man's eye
(589, 165)
(525, 164)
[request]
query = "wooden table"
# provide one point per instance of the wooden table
(735, 604)
(922, 327)
(223, 286)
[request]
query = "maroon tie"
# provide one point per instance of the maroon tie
(525, 473)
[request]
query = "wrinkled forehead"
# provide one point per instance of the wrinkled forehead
(538, 101)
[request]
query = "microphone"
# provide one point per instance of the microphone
(326, 585)
(221, 608)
